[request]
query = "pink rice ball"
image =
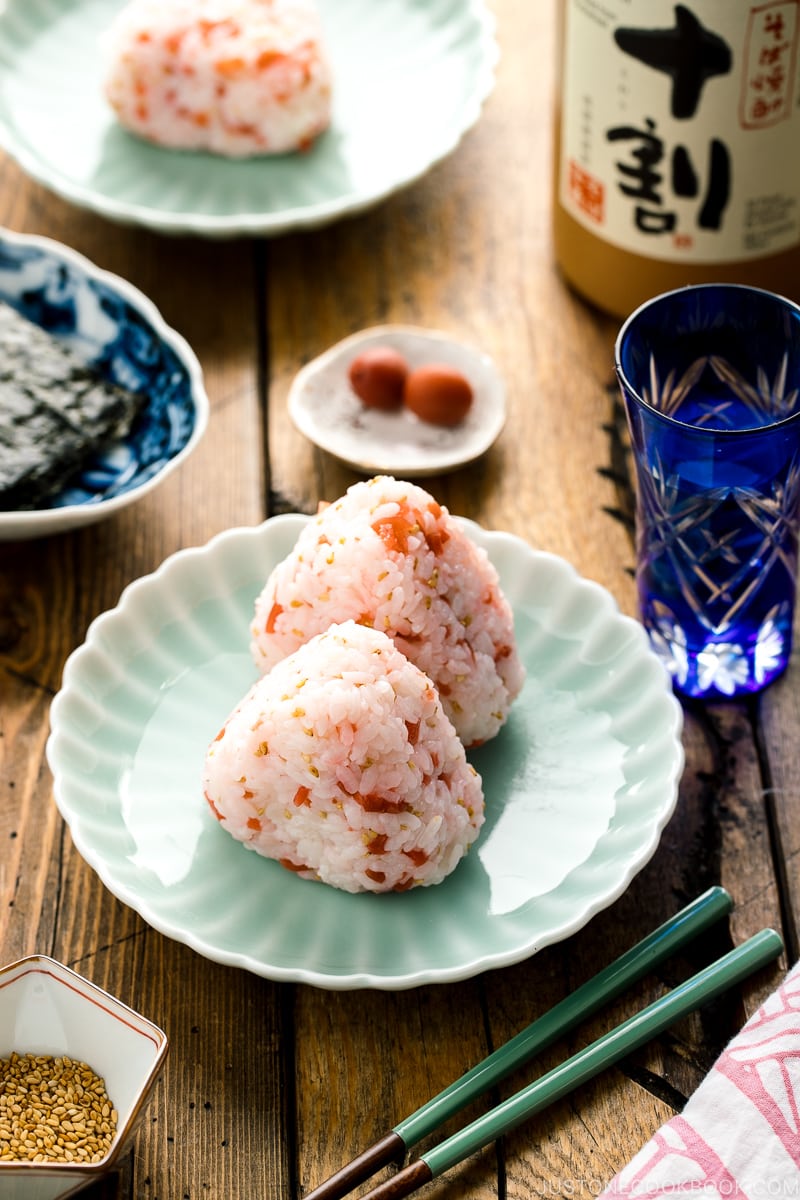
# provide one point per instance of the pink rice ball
(233, 77)
(341, 765)
(388, 556)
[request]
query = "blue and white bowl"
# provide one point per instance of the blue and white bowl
(121, 333)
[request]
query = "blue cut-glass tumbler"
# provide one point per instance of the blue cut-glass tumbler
(710, 377)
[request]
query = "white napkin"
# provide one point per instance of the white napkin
(739, 1134)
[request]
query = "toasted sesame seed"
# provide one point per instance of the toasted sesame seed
(53, 1109)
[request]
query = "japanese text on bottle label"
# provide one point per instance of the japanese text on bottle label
(681, 126)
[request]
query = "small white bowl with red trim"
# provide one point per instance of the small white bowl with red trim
(48, 1009)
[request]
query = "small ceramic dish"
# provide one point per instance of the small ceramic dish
(48, 1009)
(121, 333)
(325, 408)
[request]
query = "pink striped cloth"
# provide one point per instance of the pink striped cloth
(739, 1134)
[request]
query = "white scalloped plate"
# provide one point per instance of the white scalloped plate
(410, 78)
(579, 783)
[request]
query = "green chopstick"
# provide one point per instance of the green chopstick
(702, 988)
(564, 1016)
(585, 1000)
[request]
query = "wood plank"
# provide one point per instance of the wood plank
(586, 1139)
(420, 258)
(271, 1087)
(438, 255)
(199, 1137)
(779, 715)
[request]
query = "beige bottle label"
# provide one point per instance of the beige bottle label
(680, 135)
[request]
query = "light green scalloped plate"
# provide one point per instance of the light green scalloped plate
(579, 783)
(410, 78)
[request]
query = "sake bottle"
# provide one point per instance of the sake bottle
(677, 147)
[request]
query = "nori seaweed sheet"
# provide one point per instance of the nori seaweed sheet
(56, 412)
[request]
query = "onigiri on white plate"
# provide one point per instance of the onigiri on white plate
(388, 555)
(341, 765)
(233, 77)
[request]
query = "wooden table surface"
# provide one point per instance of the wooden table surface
(270, 1086)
